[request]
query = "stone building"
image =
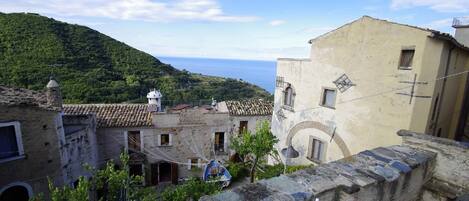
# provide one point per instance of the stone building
(169, 145)
(366, 80)
(37, 142)
(423, 168)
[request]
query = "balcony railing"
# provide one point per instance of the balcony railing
(460, 22)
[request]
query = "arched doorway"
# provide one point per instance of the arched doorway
(18, 192)
(324, 128)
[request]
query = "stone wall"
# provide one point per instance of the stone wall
(42, 138)
(451, 173)
(391, 173)
(424, 168)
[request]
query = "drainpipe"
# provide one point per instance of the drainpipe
(448, 61)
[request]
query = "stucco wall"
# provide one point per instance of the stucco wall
(366, 115)
(80, 147)
(42, 138)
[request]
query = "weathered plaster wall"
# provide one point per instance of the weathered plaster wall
(42, 138)
(366, 115)
(80, 146)
(192, 137)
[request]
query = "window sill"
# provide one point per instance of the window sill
(327, 107)
(12, 158)
(287, 107)
(164, 145)
(314, 160)
(221, 153)
(405, 68)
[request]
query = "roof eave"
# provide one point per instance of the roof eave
(447, 37)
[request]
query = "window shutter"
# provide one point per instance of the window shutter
(198, 163)
(170, 139)
(158, 139)
(189, 164)
(310, 147)
(225, 143)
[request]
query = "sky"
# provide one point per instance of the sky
(236, 29)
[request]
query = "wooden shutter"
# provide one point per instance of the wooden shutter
(170, 136)
(154, 174)
(174, 173)
(158, 139)
(189, 164)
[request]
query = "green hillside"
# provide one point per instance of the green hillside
(94, 68)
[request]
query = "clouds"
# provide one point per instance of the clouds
(277, 22)
(437, 5)
(146, 10)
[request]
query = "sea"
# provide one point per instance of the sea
(260, 73)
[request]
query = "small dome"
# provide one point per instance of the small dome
(52, 84)
(154, 94)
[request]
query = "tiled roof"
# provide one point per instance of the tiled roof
(250, 107)
(13, 96)
(114, 115)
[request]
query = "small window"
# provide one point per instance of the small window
(165, 140)
(328, 98)
(407, 55)
(11, 145)
(243, 126)
(288, 96)
(133, 140)
(219, 142)
(316, 152)
(193, 163)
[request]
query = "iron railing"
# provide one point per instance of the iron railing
(460, 21)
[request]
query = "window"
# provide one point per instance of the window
(328, 98)
(11, 145)
(193, 163)
(219, 142)
(288, 96)
(407, 55)
(316, 149)
(165, 140)
(243, 126)
(133, 140)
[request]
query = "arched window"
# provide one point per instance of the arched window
(288, 96)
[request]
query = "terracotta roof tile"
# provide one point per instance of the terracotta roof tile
(114, 115)
(250, 107)
(14, 96)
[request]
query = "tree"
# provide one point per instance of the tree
(115, 185)
(257, 146)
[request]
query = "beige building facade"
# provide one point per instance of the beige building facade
(363, 82)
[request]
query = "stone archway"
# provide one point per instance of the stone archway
(319, 126)
(16, 191)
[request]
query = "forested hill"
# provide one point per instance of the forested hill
(94, 68)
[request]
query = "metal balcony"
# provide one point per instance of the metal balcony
(459, 22)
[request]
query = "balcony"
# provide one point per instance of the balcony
(459, 22)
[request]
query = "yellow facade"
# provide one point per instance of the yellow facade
(369, 113)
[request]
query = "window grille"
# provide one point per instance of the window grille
(279, 81)
(343, 83)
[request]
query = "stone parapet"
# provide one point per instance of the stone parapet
(392, 173)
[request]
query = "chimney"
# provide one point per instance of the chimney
(54, 97)
(461, 24)
(154, 101)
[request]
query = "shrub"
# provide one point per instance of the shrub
(192, 189)
(238, 171)
(276, 170)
